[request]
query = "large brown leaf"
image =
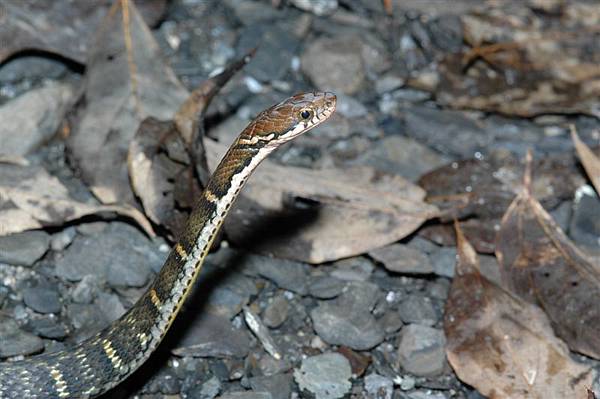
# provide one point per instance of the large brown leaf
(60, 27)
(320, 215)
(540, 264)
(590, 161)
(126, 81)
(31, 198)
(502, 345)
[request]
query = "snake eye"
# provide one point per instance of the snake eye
(305, 114)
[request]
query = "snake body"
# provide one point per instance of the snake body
(99, 363)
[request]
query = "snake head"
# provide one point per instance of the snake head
(289, 119)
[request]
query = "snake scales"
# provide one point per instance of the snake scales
(97, 364)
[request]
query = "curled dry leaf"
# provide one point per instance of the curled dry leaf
(320, 215)
(64, 28)
(125, 82)
(481, 190)
(540, 264)
(502, 345)
(521, 65)
(590, 161)
(31, 198)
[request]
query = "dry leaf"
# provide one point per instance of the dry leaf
(63, 28)
(590, 161)
(320, 215)
(540, 264)
(503, 346)
(521, 65)
(125, 82)
(30, 198)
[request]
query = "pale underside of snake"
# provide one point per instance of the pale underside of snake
(99, 363)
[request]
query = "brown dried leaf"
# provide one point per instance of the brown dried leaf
(522, 65)
(503, 346)
(125, 83)
(540, 264)
(30, 198)
(63, 28)
(590, 161)
(320, 215)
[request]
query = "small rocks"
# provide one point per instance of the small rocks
(48, 327)
(42, 300)
(279, 385)
(325, 287)
(585, 223)
(317, 7)
(444, 261)
(24, 248)
(418, 309)
(14, 341)
(400, 258)
(421, 350)
(276, 312)
(284, 273)
(326, 376)
(379, 387)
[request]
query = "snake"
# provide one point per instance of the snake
(99, 363)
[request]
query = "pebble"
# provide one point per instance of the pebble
(276, 312)
(48, 327)
(444, 261)
(400, 258)
(63, 239)
(286, 274)
(42, 300)
(353, 269)
(279, 385)
(261, 332)
(25, 248)
(246, 395)
(210, 388)
(86, 290)
(421, 350)
(349, 107)
(391, 322)
(347, 320)
(119, 254)
(335, 64)
(317, 7)
(326, 376)
(379, 387)
(14, 341)
(418, 309)
(325, 287)
(585, 223)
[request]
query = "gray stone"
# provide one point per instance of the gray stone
(325, 287)
(444, 261)
(418, 309)
(30, 67)
(24, 248)
(326, 376)
(335, 64)
(86, 290)
(246, 395)
(353, 269)
(388, 83)
(562, 215)
(379, 387)
(210, 388)
(276, 312)
(32, 118)
(48, 327)
(42, 300)
(61, 240)
(110, 305)
(286, 274)
(14, 341)
(421, 350)
(391, 322)
(317, 7)
(210, 335)
(349, 107)
(585, 224)
(119, 254)
(279, 385)
(347, 320)
(400, 258)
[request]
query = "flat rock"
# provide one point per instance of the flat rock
(32, 118)
(379, 387)
(24, 248)
(210, 335)
(246, 395)
(286, 274)
(276, 312)
(42, 300)
(444, 261)
(400, 258)
(585, 223)
(421, 350)
(47, 327)
(418, 309)
(325, 287)
(326, 376)
(14, 341)
(279, 385)
(119, 254)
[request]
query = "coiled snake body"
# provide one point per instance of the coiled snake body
(97, 364)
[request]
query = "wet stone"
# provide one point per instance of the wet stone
(379, 387)
(119, 254)
(276, 312)
(421, 350)
(400, 258)
(279, 385)
(418, 309)
(326, 376)
(42, 300)
(14, 341)
(24, 248)
(325, 287)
